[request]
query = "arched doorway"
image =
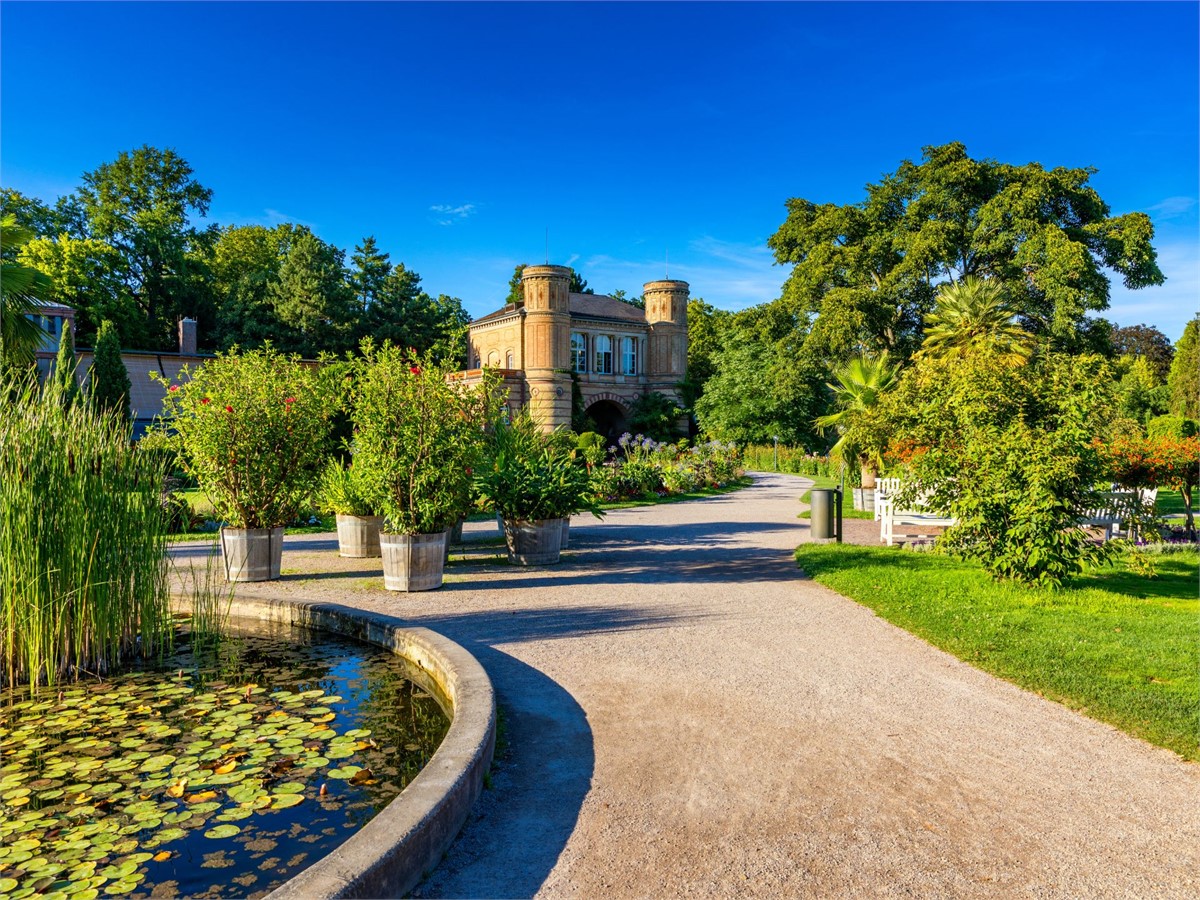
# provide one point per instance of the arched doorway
(610, 419)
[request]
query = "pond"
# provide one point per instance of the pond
(222, 773)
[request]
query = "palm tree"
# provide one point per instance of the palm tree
(975, 314)
(22, 289)
(860, 381)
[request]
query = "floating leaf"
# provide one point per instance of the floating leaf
(162, 855)
(346, 772)
(284, 801)
(201, 797)
(222, 831)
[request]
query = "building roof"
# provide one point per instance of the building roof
(591, 306)
(601, 306)
(50, 308)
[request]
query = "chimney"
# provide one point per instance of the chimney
(187, 337)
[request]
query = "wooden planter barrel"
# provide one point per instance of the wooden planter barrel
(252, 554)
(413, 562)
(533, 542)
(358, 536)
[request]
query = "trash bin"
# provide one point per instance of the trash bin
(825, 512)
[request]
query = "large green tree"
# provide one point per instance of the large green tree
(1183, 384)
(706, 336)
(869, 270)
(371, 267)
(312, 299)
(245, 262)
(141, 204)
(1144, 342)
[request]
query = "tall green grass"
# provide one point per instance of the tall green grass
(83, 572)
(794, 460)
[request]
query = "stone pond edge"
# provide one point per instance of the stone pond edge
(403, 843)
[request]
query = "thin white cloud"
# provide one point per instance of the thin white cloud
(1167, 307)
(572, 259)
(268, 218)
(448, 215)
(1172, 207)
(728, 274)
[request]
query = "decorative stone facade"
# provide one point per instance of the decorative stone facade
(618, 351)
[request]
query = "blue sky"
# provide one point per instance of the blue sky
(458, 134)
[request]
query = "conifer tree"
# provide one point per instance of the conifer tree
(66, 365)
(1183, 383)
(109, 380)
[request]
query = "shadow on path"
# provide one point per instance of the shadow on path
(519, 826)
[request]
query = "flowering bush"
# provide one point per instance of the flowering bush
(417, 438)
(1164, 460)
(254, 431)
(648, 467)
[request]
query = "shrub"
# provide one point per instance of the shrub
(531, 475)
(342, 491)
(655, 415)
(418, 438)
(254, 430)
(1008, 451)
(1171, 426)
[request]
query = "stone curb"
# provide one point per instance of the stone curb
(389, 855)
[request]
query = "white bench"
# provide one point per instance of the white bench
(1115, 507)
(889, 517)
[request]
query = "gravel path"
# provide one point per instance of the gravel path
(684, 715)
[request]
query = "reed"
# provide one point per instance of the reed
(83, 572)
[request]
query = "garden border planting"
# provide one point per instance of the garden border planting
(390, 854)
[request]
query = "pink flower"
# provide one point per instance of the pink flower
(173, 388)
(204, 401)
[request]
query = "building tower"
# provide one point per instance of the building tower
(666, 356)
(547, 343)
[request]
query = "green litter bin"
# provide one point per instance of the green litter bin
(825, 514)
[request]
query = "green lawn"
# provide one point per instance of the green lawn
(199, 501)
(1119, 647)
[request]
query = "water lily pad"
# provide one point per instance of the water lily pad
(284, 801)
(222, 831)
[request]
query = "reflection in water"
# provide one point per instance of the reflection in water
(223, 774)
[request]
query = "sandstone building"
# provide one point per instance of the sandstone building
(617, 351)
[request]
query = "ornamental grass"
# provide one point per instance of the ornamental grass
(83, 577)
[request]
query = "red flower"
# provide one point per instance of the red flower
(173, 388)
(204, 401)
(416, 370)
(289, 400)
(229, 409)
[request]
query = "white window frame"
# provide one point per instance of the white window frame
(509, 359)
(604, 357)
(579, 353)
(629, 355)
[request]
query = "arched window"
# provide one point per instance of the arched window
(604, 354)
(578, 352)
(628, 356)
(508, 360)
(494, 359)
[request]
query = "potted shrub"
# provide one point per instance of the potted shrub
(417, 437)
(343, 495)
(535, 485)
(253, 429)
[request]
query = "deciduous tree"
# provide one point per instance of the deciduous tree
(870, 268)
